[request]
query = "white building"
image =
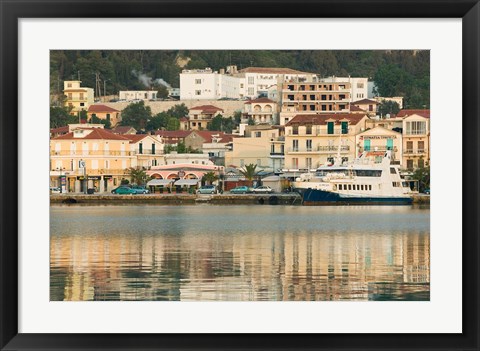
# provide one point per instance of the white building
(358, 86)
(131, 95)
(251, 82)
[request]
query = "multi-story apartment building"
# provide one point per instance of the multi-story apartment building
(261, 111)
(358, 86)
(250, 82)
(380, 139)
(262, 146)
(78, 98)
(313, 97)
(200, 116)
(416, 138)
(95, 158)
(316, 139)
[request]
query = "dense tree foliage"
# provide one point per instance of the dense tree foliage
(136, 115)
(397, 72)
(168, 120)
(223, 124)
(388, 107)
(60, 116)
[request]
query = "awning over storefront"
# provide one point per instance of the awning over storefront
(187, 182)
(159, 182)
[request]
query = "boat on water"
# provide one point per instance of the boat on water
(370, 179)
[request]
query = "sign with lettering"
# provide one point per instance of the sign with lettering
(370, 137)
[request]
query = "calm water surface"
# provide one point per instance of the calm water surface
(239, 253)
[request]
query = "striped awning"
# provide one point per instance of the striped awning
(158, 182)
(187, 182)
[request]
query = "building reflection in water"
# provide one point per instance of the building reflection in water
(281, 266)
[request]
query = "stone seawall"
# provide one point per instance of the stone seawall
(178, 199)
(192, 199)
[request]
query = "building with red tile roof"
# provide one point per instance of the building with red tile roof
(312, 140)
(200, 116)
(124, 130)
(408, 112)
(105, 113)
(261, 111)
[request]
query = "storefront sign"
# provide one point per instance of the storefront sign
(368, 137)
(94, 177)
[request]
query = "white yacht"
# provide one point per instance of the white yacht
(369, 179)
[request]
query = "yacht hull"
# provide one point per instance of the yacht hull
(314, 197)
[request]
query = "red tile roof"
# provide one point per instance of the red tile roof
(63, 130)
(173, 133)
(135, 138)
(273, 70)
(406, 113)
(101, 108)
(355, 108)
(262, 100)
(365, 102)
(205, 108)
(208, 135)
(96, 133)
(183, 119)
(321, 119)
(122, 129)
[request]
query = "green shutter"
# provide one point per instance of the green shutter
(153, 149)
(389, 144)
(140, 148)
(366, 145)
(330, 127)
(344, 127)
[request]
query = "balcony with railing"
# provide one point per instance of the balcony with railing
(91, 153)
(414, 151)
(319, 149)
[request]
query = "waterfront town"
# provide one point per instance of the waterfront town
(232, 127)
(135, 144)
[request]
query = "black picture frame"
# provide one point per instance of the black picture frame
(13, 10)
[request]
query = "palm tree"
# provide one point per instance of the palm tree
(249, 171)
(137, 175)
(209, 178)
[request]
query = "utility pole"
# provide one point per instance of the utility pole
(104, 90)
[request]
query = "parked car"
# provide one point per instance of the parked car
(427, 191)
(263, 189)
(139, 189)
(207, 189)
(123, 190)
(240, 190)
(55, 190)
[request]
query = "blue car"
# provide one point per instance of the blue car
(240, 190)
(123, 190)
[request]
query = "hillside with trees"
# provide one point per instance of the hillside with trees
(396, 72)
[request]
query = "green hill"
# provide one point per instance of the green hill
(396, 73)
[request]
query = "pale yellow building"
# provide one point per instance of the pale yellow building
(105, 113)
(380, 139)
(314, 140)
(77, 97)
(257, 147)
(261, 110)
(95, 158)
(416, 140)
(200, 116)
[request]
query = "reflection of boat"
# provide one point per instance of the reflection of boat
(369, 179)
